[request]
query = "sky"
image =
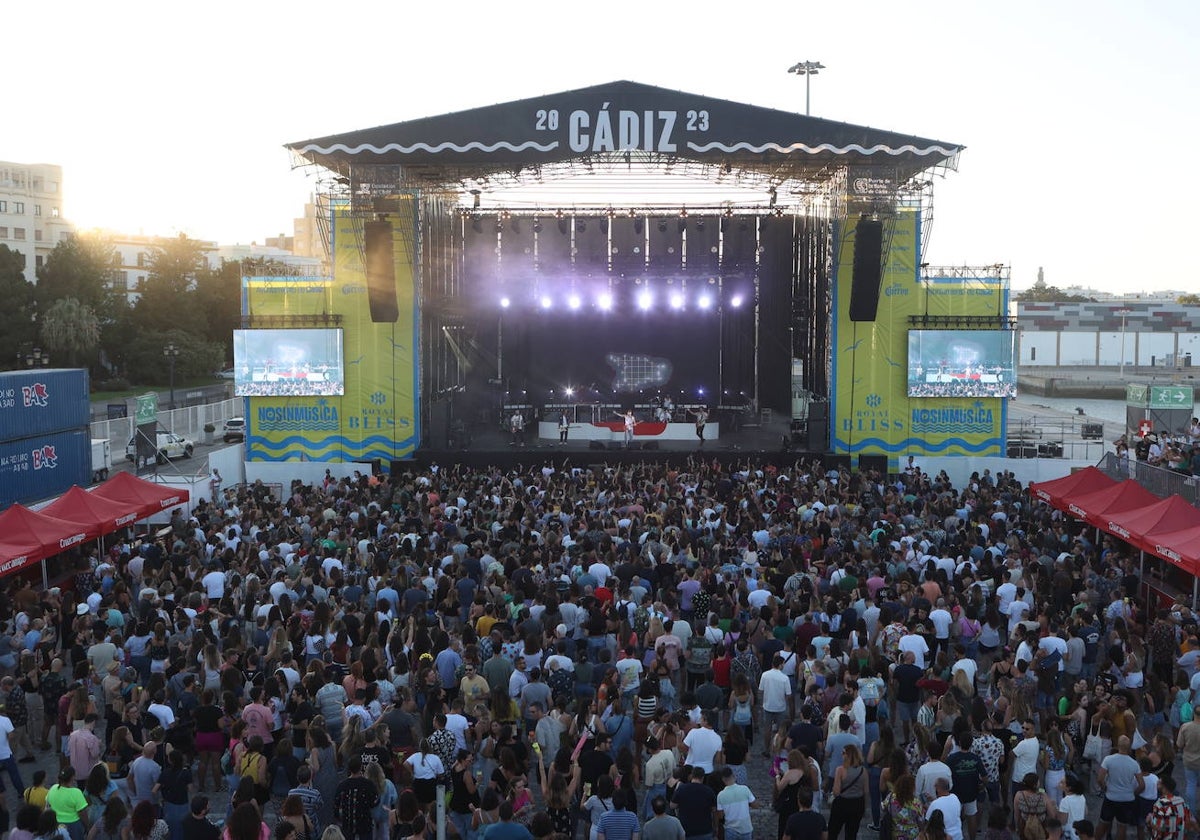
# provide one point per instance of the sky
(1075, 116)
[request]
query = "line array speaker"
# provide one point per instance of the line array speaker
(868, 270)
(380, 260)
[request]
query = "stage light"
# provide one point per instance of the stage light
(644, 300)
(700, 391)
(570, 392)
(574, 302)
(605, 301)
(677, 301)
(705, 301)
(735, 301)
(505, 303)
(546, 302)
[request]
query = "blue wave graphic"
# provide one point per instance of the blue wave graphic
(299, 427)
(916, 443)
(334, 440)
(385, 454)
(945, 428)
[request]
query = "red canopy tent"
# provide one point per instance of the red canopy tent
(1179, 547)
(29, 536)
(100, 515)
(1056, 489)
(139, 496)
(1098, 507)
(1165, 516)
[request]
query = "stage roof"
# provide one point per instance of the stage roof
(625, 118)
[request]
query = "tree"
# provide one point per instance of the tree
(1188, 300)
(83, 268)
(145, 362)
(72, 328)
(17, 332)
(1041, 293)
(167, 298)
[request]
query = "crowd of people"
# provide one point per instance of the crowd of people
(604, 653)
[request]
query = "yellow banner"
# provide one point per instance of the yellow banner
(377, 416)
(872, 412)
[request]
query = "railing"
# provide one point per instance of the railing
(188, 422)
(1046, 434)
(1160, 481)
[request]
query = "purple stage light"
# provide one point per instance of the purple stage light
(644, 301)
(704, 302)
(546, 302)
(574, 301)
(605, 301)
(677, 300)
(505, 303)
(735, 301)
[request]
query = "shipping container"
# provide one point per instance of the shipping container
(38, 402)
(43, 466)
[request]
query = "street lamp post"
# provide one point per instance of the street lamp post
(172, 353)
(807, 69)
(1123, 313)
(34, 358)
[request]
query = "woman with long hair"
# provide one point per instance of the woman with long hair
(1030, 806)
(426, 768)
(292, 811)
(741, 707)
(878, 754)
(787, 782)
(323, 761)
(903, 809)
(144, 825)
(99, 789)
(849, 794)
(353, 740)
(1056, 755)
(598, 804)
(387, 798)
(464, 794)
(108, 826)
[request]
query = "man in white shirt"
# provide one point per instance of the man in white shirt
(774, 689)
(1006, 592)
(458, 724)
(1025, 753)
(916, 645)
(951, 809)
(702, 745)
(941, 619)
(929, 774)
(214, 585)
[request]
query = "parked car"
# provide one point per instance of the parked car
(234, 430)
(226, 374)
(169, 444)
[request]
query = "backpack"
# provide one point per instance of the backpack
(1032, 828)
(641, 621)
(561, 683)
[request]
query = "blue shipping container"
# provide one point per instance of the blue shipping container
(39, 467)
(37, 402)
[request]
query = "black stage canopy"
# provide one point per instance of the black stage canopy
(625, 117)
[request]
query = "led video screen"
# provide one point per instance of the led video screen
(962, 363)
(288, 363)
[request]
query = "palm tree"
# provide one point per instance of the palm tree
(72, 328)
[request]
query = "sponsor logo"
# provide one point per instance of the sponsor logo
(874, 400)
(171, 502)
(974, 420)
(354, 289)
(1118, 530)
(895, 289)
(14, 563)
(1078, 511)
(1042, 494)
(125, 520)
(1169, 553)
(319, 417)
(36, 394)
(67, 542)
(45, 458)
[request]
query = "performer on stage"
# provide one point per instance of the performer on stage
(701, 415)
(516, 425)
(564, 426)
(630, 420)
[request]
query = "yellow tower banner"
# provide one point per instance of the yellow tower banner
(873, 413)
(376, 416)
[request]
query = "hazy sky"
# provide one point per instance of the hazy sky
(1075, 115)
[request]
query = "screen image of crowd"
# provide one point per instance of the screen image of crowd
(290, 388)
(962, 388)
(573, 651)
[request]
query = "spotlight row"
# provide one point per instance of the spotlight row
(644, 300)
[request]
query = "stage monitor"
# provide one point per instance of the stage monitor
(962, 363)
(288, 363)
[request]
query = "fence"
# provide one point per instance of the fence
(188, 422)
(1160, 481)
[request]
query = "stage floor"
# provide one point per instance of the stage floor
(767, 438)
